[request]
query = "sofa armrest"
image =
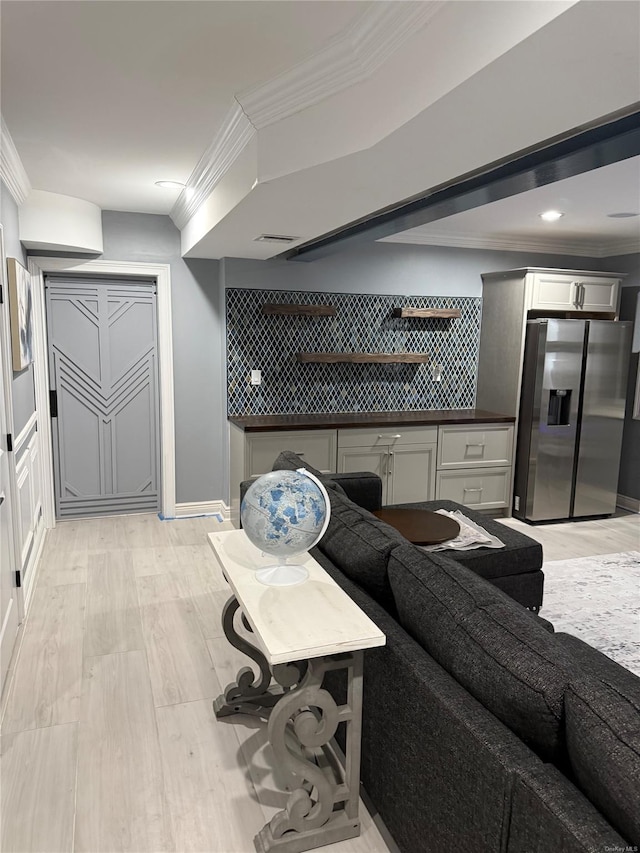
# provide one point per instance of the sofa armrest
(362, 487)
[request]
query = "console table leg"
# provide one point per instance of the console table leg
(324, 807)
(248, 694)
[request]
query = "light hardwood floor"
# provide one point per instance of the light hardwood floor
(109, 741)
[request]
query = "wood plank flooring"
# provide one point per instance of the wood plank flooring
(109, 741)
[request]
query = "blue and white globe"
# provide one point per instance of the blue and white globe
(285, 513)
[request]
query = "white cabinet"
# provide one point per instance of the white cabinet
(316, 447)
(474, 465)
(404, 459)
(253, 454)
(560, 291)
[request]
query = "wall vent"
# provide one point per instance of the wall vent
(275, 238)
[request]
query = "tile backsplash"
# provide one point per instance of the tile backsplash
(363, 323)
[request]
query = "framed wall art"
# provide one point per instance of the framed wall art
(21, 310)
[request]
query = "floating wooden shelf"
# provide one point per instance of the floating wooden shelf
(292, 310)
(363, 357)
(426, 312)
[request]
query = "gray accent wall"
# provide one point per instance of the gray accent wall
(197, 314)
(24, 401)
(629, 480)
(391, 268)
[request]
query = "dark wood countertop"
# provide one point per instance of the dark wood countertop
(433, 417)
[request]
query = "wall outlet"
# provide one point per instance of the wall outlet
(256, 377)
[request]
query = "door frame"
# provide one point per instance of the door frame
(38, 268)
(6, 389)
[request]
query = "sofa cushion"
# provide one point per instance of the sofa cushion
(487, 642)
(359, 544)
(603, 740)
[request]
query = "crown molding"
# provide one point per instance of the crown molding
(348, 59)
(230, 141)
(370, 40)
(12, 171)
(587, 249)
(621, 247)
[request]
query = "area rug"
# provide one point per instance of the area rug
(598, 600)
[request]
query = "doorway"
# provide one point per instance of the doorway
(132, 271)
(103, 379)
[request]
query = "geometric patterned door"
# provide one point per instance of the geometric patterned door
(103, 370)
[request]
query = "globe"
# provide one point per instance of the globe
(284, 514)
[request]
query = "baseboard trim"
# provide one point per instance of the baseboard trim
(631, 504)
(194, 509)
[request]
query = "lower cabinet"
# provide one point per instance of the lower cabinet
(254, 453)
(404, 460)
(469, 464)
(474, 465)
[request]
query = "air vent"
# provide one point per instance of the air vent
(275, 238)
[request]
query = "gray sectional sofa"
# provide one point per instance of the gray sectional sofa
(483, 730)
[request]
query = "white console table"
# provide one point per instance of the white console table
(300, 632)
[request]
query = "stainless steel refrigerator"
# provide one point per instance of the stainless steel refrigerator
(571, 418)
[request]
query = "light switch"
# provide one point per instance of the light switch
(256, 377)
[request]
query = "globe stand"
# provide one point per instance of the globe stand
(283, 574)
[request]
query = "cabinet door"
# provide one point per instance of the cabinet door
(555, 292)
(412, 473)
(574, 292)
(317, 447)
(482, 488)
(470, 446)
(598, 294)
(374, 459)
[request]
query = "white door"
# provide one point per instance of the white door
(8, 592)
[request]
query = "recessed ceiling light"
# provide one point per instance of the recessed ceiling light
(550, 215)
(170, 185)
(623, 215)
(275, 238)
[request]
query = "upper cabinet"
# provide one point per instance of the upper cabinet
(509, 298)
(562, 291)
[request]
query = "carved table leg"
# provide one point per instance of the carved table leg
(324, 807)
(247, 695)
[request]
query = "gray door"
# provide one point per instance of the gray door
(603, 405)
(103, 375)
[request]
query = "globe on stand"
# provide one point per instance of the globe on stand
(284, 514)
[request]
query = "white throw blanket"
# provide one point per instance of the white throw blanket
(471, 535)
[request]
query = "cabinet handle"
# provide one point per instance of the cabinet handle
(390, 471)
(582, 292)
(398, 435)
(465, 489)
(298, 453)
(475, 444)
(576, 294)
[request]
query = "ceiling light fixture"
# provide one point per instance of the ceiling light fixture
(551, 215)
(170, 185)
(622, 215)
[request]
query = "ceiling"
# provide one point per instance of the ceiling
(298, 117)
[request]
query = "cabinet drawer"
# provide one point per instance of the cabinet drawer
(387, 437)
(317, 447)
(483, 446)
(486, 488)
